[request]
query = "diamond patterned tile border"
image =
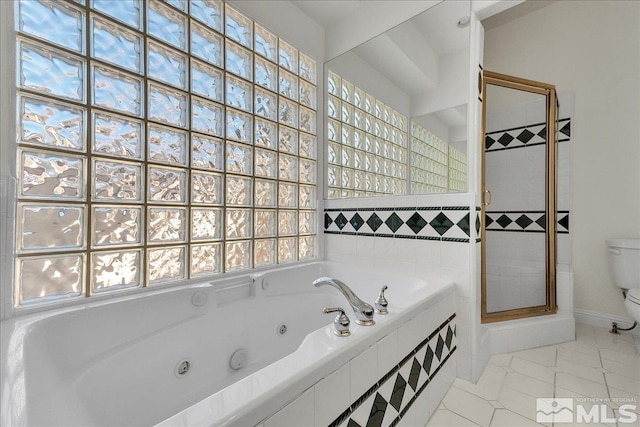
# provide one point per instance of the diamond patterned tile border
(525, 136)
(387, 401)
(447, 223)
(528, 221)
(450, 224)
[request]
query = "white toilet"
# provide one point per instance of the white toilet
(624, 264)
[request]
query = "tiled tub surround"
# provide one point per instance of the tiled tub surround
(407, 389)
(440, 250)
(117, 362)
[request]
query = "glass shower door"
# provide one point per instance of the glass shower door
(518, 241)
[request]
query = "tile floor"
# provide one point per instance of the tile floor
(597, 365)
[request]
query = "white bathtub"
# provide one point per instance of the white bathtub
(116, 362)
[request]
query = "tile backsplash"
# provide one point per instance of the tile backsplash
(447, 223)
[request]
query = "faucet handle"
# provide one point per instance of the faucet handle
(340, 323)
(381, 302)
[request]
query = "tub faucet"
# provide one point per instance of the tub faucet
(362, 310)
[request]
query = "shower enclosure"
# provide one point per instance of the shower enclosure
(519, 197)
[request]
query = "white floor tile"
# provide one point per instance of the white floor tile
(489, 384)
(446, 418)
(506, 418)
(500, 360)
(579, 358)
(585, 333)
(624, 383)
(630, 371)
(519, 402)
(580, 385)
(597, 365)
(579, 370)
(528, 385)
(469, 406)
(630, 358)
(581, 346)
(533, 370)
(545, 356)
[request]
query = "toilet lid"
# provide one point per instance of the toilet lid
(634, 295)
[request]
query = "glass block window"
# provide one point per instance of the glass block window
(436, 167)
(367, 143)
(457, 170)
(158, 141)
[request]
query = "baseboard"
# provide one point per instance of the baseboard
(603, 320)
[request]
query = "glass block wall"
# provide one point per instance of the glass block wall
(158, 141)
(436, 167)
(367, 143)
(457, 170)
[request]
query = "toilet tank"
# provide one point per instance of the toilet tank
(624, 262)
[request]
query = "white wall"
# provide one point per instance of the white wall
(593, 49)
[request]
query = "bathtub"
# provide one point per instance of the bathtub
(245, 351)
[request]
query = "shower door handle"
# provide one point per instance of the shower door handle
(489, 199)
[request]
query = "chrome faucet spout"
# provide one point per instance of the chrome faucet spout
(363, 311)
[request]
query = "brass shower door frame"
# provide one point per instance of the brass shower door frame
(549, 91)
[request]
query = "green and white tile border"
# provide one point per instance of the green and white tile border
(389, 399)
(447, 223)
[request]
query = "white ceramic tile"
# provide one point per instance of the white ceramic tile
(388, 354)
(363, 372)
(463, 365)
(429, 200)
(528, 385)
(437, 390)
(331, 396)
(446, 418)
(533, 370)
(455, 255)
(501, 359)
(428, 254)
(409, 336)
(486, 389)
(545, 356)
(365, 246)
(579, 357)
(423, 409)
(469, 406)
(622, 342)
(579, 370)
(519, 402)
(404, 250)
(507, 418)
(627, 357)
(580, 385)
(624, 369)
(298, 413)
(460, 278)
(624, 383)
(624, 396)
(580, 347)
